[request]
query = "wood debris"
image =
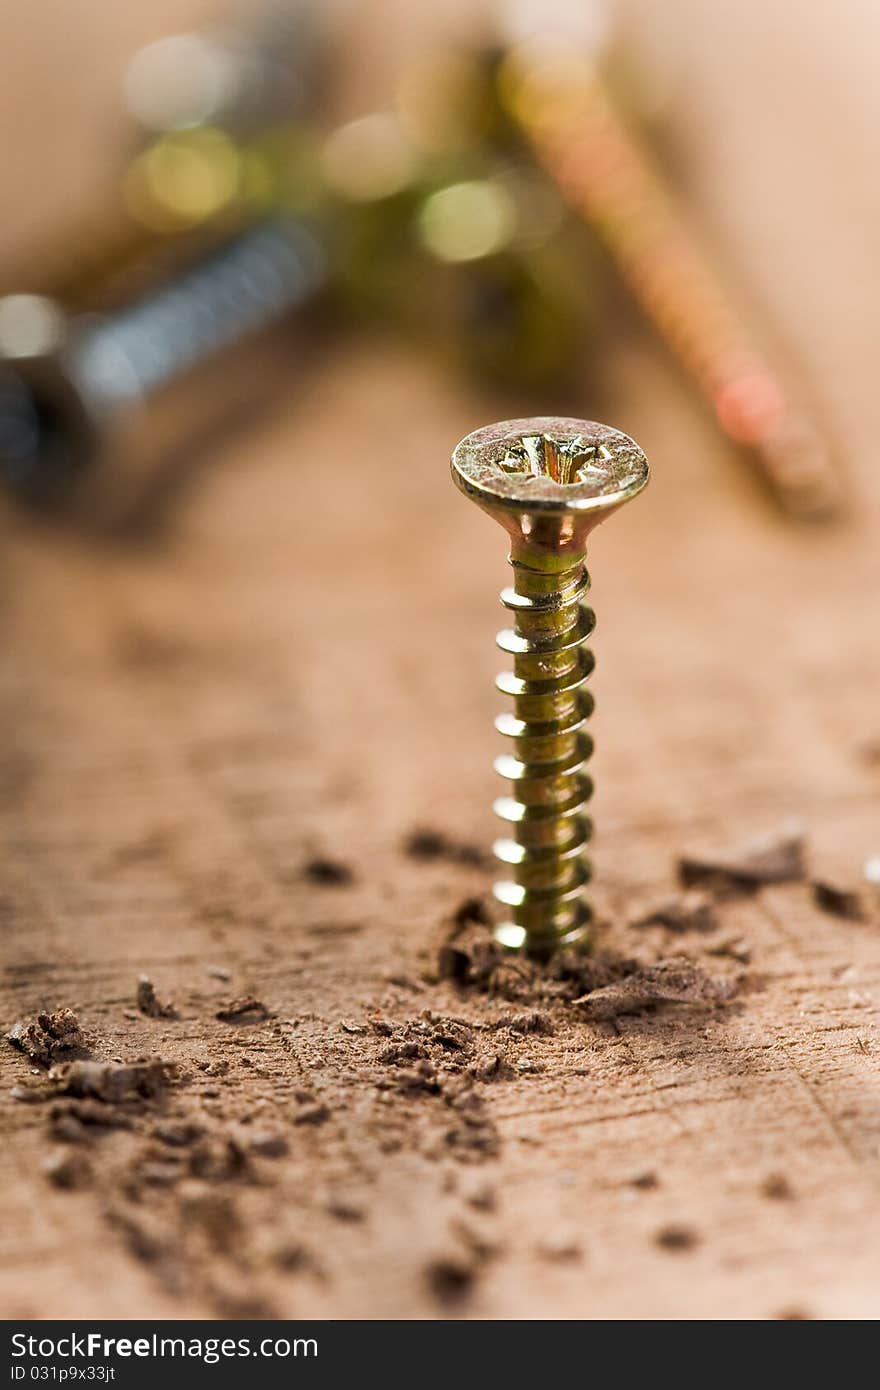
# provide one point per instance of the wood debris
(112, 1082)
(149, 1003)
(838, 901)
(776, 858)
(47, 1037)
(677, 980)
(244, 1010)
(693, 910)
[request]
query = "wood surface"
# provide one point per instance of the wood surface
(297, 663)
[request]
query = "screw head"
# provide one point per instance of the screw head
(549, 480)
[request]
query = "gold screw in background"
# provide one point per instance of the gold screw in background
(548, 482)
(603, 171)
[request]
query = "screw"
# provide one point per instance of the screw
(579, 138)
(73, 390)
(548, 482)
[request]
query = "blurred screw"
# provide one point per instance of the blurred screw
(579, 138)
(548, 482)
(73, 391)
(216, 116)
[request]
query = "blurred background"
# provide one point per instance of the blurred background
(508, 187)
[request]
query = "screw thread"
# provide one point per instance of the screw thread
(546, 810)
(245, 286)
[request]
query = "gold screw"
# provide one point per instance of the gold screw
(548, 482)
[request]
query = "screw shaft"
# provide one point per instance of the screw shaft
(72, 407)
(547, 805)
(602, 171)
(240, 288)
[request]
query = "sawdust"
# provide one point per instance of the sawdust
(450, 1278)
(733, 948)
(601, 986)
(839, 901)
(148, 1002)
(78, 1122)
(777, 1188)
(69, 1171)
(677, 1238)
(775, 858)
(681, 912)
(674, 981)
(535, 1021)
(645, 1182)
(472, 958)
(244, 1010)
(48, 1037)
(432, 845)
(312, 1113)
(444, 1060)
(329, 873)
(113, 1082)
